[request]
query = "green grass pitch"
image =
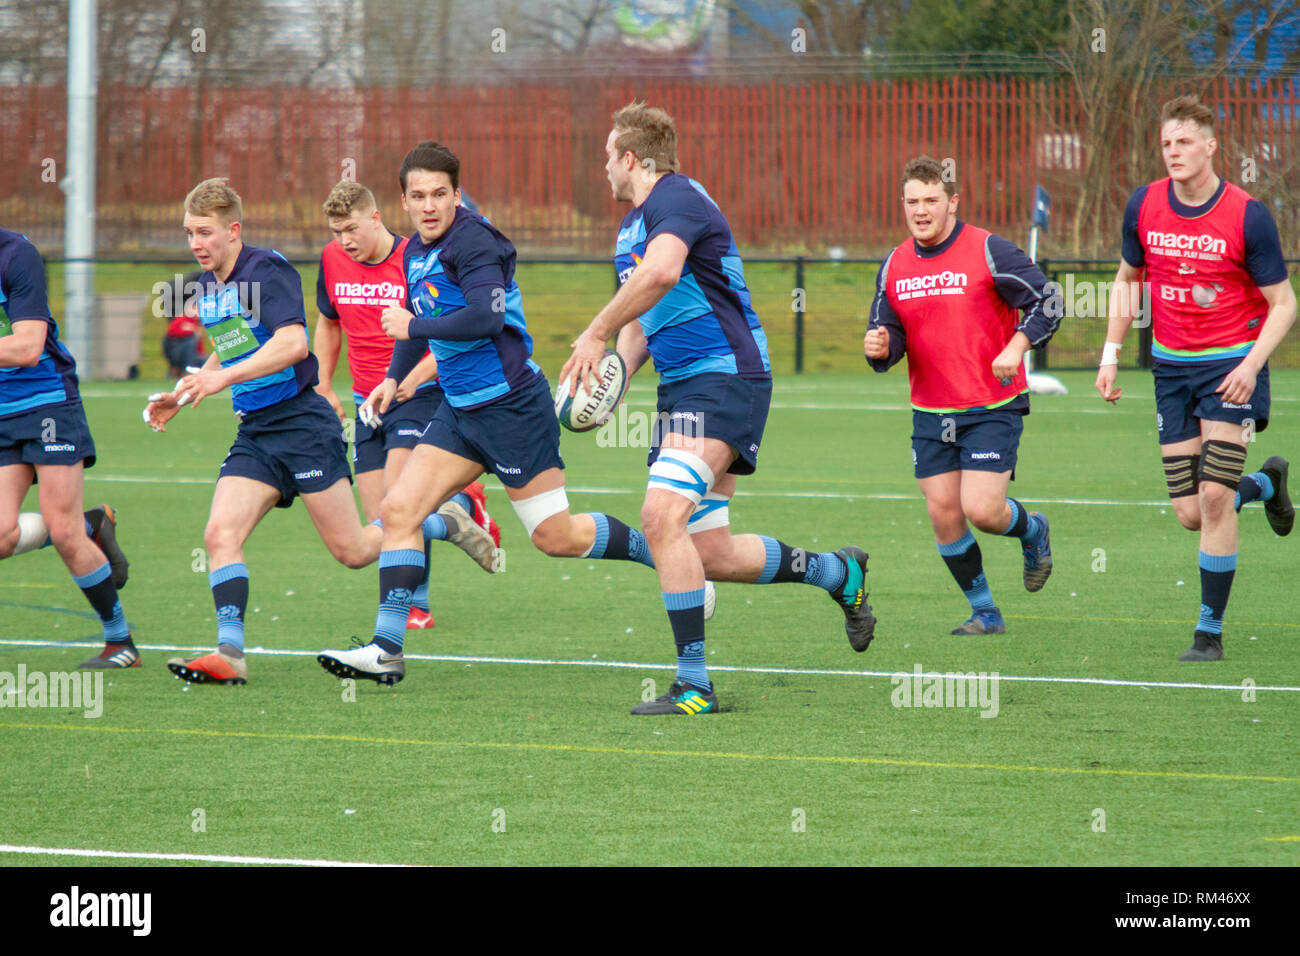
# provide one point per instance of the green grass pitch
(476, 762)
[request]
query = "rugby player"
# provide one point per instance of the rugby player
(1220, 305)
(497, 414)
(684, 302)
(360, 274)
(44, 438)
(951, 299)
(288, 443)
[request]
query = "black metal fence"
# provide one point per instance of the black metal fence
(815, 310)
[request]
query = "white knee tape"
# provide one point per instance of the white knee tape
(31, 532)
(712, 512)
(533, 511)
(682, 473)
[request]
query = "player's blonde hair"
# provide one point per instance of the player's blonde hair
(648, 133)
(1188, 108)
(346, 198)
(214, 197)
(927, 169)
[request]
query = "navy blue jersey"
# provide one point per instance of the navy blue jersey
(53, 379)
(1264, 261)
(706, 322)
(261, 294)
(462, 291)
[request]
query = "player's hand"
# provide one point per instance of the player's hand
(1106, 383)
(1238, 386)
(162, 408)
(327, 393)
(1008, 363)
(202, 383)
(378, 402)
(396, 322)
(581, 366)
(875, 345)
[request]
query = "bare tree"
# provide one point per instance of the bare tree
(1122, 57)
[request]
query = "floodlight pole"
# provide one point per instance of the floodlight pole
(78, 184)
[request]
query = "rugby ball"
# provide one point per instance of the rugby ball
(587, 410)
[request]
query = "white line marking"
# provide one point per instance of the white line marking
(191, 857)
(645, 665)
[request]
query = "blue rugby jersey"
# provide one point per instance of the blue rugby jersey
(261, 294)
(705, 323)
(483, 352)
(53, 378)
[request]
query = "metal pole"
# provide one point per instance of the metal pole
(801, 297)
(1033, 257)
(79, 184)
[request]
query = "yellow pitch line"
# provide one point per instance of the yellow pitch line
(1283, 839)
(1136, 620)
(632, 752)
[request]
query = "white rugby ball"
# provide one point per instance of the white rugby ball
(587, 410)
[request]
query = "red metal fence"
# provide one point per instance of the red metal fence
(796, 168)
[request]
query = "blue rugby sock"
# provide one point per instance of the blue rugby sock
(686, 615)
(966, 564)
(230, 595)
(1023, 525)
(434, 528)
(400, 572)
(420, 598)
(823, 569)
(1217, 571)
(1254, 487)
(99, 591)
(616, 541)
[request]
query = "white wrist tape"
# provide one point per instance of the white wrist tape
(1110, 353)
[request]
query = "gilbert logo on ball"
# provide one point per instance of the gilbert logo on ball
(589, 409)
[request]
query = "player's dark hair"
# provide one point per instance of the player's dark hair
(431, 157)
(927, 169)
(1189, 107)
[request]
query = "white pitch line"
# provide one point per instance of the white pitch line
(187, 857)
(640, 490)
(734, 668)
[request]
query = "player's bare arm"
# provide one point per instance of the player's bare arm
(329, 341)
(1125, 297)
(631, 347)
(24, 345)
(287, 346)
(658, 272)
(424, 372)
(1240, 382)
